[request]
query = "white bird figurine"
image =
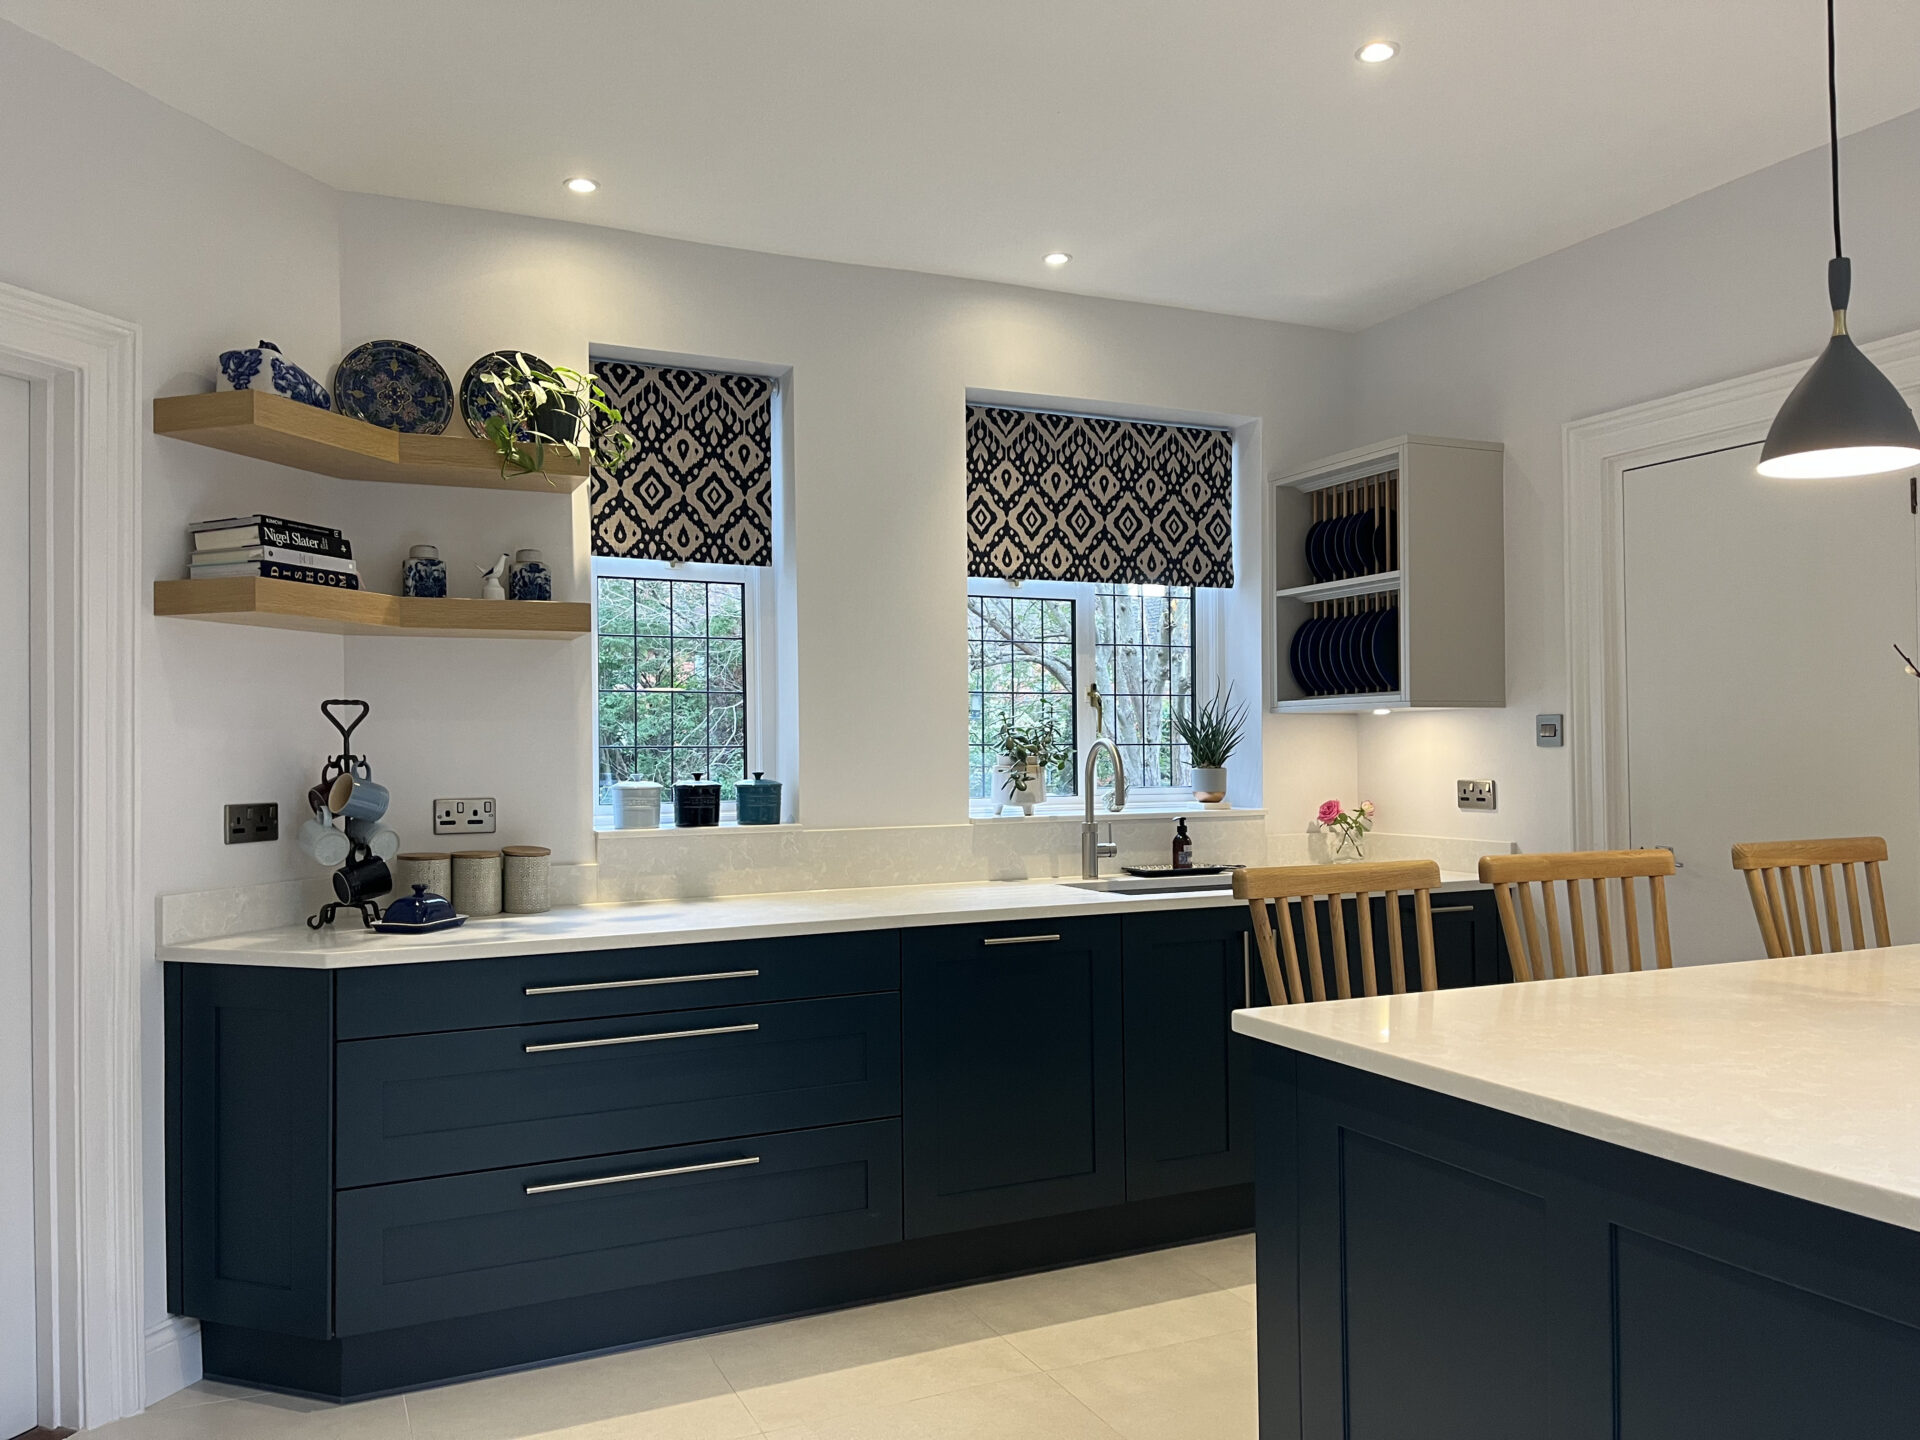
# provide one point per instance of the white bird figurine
(493, 583)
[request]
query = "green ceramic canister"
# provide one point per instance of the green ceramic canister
(758, 801)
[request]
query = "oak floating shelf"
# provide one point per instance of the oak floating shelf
(285, 432)
(286, 605)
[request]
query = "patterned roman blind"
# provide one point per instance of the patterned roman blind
(698, 484)
(1090, 498)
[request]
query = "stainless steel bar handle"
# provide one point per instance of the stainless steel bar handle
(1021, 940)
(1450, 910)
(642, 1175)
(635, 984)
(636, 1039)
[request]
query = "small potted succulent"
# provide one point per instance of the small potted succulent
(538, 405)
(1028, 749)
(1211, 734)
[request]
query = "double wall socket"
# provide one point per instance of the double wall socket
(1477, 795)
(470, 816)
(249, 823)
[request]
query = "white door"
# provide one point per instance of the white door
(18, 1363)
(1764, 699)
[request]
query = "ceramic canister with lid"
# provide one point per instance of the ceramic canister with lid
(476, 882)
(759, 801)
(525, 871)
(431, 868)
(636, 805)
(696, 805)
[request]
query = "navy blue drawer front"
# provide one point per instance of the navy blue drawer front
(578, 985)
(419, 1105)
(436, 1249)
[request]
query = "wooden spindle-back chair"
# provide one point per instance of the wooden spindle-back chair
(1774, 868)
(1538, 952)
(1311, 884)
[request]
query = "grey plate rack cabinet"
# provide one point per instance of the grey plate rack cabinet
(1409, 530)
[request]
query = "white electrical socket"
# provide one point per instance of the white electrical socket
(471, 816)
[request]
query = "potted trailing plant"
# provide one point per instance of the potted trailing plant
(535, 406)
(1028, 748)
(1211, 734)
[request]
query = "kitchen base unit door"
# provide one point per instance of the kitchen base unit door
(467, 1244)
(415, 1106)
(1189, 1121)
(1013, 1093)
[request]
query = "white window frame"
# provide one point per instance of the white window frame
(757, 612)
(1209, 674)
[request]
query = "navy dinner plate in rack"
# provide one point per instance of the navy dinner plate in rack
(1386, 647)
(1317, 561)
(1337, 653)
(1293, 656)
(1363, 650)
(1310, 654)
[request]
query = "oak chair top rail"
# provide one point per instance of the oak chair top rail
(1774, 868)
(1576, 865)
(1310, 884)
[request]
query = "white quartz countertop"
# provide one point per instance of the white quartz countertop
(682, 922)
(1800, 1075)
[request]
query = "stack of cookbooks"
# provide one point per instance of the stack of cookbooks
(273, 549)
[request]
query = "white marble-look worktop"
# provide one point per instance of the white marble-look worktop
(1800, 1075)
(682, 922)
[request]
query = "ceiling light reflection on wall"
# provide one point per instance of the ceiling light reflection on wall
(581, 185)
(1057, 258)
(1376, 52)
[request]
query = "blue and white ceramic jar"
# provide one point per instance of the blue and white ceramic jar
(530, 579)
(265, 368)
(424, 574)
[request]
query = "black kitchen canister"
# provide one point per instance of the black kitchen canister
(697, 804)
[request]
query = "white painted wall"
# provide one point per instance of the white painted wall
(1727, 283)
(880, 362)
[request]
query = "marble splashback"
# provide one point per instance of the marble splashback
(673, 864)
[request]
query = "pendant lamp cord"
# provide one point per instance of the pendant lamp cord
(1833, 130)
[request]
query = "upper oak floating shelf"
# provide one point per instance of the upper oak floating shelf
(272, 427)
(285, 605)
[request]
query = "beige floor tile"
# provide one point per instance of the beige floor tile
(1080, 1292)
(665, 1392)
(1245, 1292)
(1141, 1327)
(1226, 1263)
(1201, 1388)
(265, 1417)
(203, 1392)
(813, 1398)
(1031, 1407)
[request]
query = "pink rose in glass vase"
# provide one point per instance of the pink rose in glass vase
(1349, 827)
(1329, 812)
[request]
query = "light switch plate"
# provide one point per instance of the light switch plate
(472, 815)
(1549, 731)
(249, 824)
(1477, 795)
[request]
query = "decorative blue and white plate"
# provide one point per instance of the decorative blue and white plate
(477, 403)
(396, 386)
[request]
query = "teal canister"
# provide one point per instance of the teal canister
(758, 801)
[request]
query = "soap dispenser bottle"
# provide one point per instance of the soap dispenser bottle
(1182, 848)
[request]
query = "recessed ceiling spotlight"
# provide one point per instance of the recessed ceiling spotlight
(1383, 712)
(1376, 52)
(1057, 258)
(581, 185)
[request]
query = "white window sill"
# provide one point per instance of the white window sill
(1155, 808)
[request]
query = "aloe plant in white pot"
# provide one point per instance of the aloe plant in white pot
(1211, 734)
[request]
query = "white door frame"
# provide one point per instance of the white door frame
(84, 613)
(1597, 452)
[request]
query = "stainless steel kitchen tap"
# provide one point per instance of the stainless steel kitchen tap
(1092, 847)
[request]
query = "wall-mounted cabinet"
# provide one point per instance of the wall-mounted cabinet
(1388, 568)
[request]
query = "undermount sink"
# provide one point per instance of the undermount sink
(1155, 884)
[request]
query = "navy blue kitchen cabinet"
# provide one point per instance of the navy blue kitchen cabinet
(1188, 1126)
(1013, 1096)
(1468, 948)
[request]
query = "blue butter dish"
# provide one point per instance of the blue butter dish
(420, 914)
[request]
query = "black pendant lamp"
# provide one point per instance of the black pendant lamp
(1844, 417)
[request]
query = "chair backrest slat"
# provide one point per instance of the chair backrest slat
(1309, 885)
(1780, 882)
(1540, 951)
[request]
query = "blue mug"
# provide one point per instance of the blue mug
(358, 798)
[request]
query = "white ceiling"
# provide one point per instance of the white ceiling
(1226, 155)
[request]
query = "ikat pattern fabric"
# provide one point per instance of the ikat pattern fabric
(1090, 498)
(698, 485)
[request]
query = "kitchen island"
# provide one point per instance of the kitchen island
(1676, 1204)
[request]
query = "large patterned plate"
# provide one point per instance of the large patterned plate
(396, 386)
(477, 404)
